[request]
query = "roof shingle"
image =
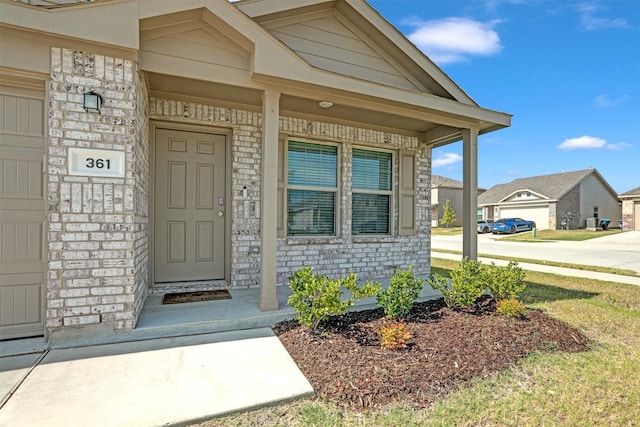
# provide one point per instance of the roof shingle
(551, 186)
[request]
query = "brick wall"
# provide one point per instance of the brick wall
(97, 225)
(369, 257)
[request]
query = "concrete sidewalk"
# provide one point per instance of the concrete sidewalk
(149, 383)
(571, 272)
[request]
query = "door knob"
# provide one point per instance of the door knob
(220, 214)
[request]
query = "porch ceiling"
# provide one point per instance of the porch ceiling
(185, 89)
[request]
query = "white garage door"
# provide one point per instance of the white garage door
(636, 217)
(21, 214)
(538, 214)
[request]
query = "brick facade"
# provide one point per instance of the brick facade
(98, 227)
(97, 250)
(369, 257)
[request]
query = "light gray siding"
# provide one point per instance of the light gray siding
(594, 193)
(328, 44)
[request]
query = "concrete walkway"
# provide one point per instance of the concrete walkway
(149, 383)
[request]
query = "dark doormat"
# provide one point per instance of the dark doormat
(182, 297)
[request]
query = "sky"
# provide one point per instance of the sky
(568, 71)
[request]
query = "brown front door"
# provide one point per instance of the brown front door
(189, 206)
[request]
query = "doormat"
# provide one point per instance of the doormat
(182, 297)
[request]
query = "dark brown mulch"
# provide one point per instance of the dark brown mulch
(345, 364)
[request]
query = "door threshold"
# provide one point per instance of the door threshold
(175, 287)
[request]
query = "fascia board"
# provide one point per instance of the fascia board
(409, 49)
(523, 190)
(268, 7)
(405, 102)
(85, 22)
(522, 203)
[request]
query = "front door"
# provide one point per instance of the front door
(189, 206)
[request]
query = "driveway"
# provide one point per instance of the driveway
(620, 250)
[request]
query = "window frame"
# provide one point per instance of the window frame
(391, 193)
(334, 190)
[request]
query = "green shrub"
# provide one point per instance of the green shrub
(403, 290)
(395, 335)
(315, 298)
(468, 283)
(505, 282)
(511, 308)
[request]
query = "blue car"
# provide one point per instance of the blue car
(511, 225)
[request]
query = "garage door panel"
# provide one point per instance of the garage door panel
(537, 214)
(22, 215)
(636, 217)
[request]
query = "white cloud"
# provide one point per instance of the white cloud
(618, 147)
(591, 142)
(591, 22)
(585, 141)
(603, 101)
(446, 159)
(455, 39)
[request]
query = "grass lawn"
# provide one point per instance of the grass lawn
(444, 231)
(599, 387)
(573, 235)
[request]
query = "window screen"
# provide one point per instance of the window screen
(371, 198)
(312, 177)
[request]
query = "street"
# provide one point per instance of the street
(617, 250)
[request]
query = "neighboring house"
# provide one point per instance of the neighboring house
(443, 189)
(631, 209)
(233, 144)
(549, 200)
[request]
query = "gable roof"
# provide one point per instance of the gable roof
(551, 187)
(357, 34)
(415, 97)
(631, 193)
(439, 181)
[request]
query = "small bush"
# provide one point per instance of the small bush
(468, 283)
(511, 308)
(315, 298)
(394, 336)
(403, 290)
(505, 282)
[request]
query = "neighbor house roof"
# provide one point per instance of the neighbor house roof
(631, 193)
(439, 181)
(551, 187)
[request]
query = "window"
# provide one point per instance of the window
(371, 198)
(312, 185)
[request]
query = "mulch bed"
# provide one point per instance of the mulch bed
(345, 364)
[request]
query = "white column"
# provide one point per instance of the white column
(268, 204)
(470, 193)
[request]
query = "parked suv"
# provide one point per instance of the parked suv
(484, 225)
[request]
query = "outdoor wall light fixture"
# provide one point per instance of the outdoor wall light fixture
(325, 104)
(92, 102)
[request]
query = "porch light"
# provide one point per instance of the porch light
(92, 102)
(325, 104)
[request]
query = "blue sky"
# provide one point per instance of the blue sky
(568, 72)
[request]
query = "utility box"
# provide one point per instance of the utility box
(592, 224)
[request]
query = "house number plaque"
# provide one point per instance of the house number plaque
(88, 162)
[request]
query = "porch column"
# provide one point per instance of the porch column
(470, 193)
(268, 204)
